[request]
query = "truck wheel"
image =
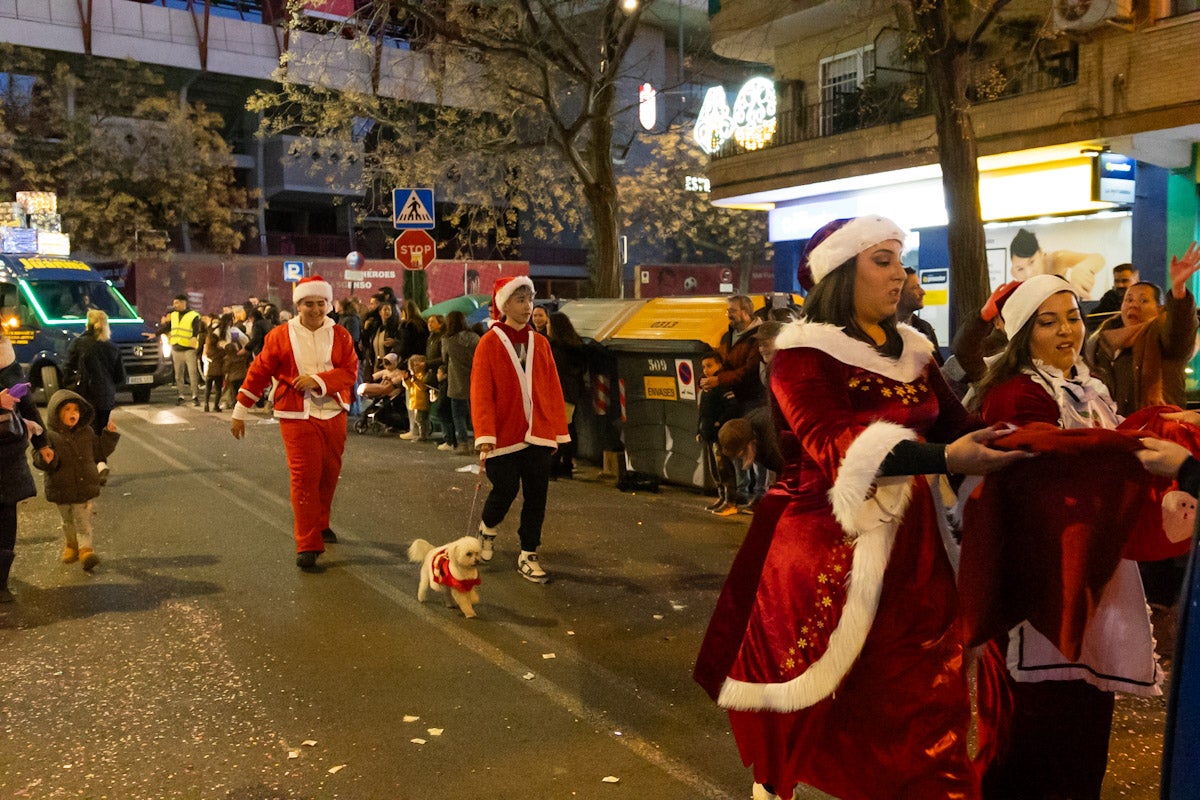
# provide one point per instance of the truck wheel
(49, 381)
(141, 394)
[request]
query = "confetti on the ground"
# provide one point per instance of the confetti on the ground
(417, 741)
(677, 606)
(434, 731)
(610, 779)
(528, 676)
(471, 468)
(337, 769)
(570, 633)
(410, 718)
(658, 616)
(309, 743)
(548, 655)
(293, 753)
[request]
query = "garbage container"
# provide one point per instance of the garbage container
(597, 423)
(658, 352)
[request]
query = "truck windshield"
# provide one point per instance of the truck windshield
(69, 301)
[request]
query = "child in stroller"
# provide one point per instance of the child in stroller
(387, 412)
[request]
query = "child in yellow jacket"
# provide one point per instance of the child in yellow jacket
(418, 400)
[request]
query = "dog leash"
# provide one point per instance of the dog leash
(475, 500)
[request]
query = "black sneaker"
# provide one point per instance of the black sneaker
(328, 536)
(307, 560)
(196, 402)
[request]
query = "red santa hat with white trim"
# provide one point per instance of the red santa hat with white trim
(312, 286)
(504, 289)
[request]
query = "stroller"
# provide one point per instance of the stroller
(384, 415)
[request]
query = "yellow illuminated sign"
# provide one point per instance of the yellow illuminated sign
(54, 263)
(659, 387)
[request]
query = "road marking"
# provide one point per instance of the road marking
(639, 746)
(160, 416)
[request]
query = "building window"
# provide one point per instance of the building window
(16, 93)
(842, 77)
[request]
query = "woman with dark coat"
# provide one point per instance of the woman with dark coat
(16, 482)
(414, 333)
(95, 362)
(570, 356)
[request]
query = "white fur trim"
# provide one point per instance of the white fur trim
(1024, 302)
(872, 551)
(833, 341)
(856, 478)
(871, 524)
(506, 291)
(312, 287)
(849, 240)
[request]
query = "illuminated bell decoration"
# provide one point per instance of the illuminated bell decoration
(647, 106)
(751, 124)
(754, 114)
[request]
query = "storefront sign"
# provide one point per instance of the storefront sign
(1115, 179)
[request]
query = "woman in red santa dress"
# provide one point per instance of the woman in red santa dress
(314, 362)
(1055, 744)
(835, 644)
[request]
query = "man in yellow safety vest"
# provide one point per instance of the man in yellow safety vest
(183, 329)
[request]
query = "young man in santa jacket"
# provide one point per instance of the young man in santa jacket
(519, 418)
(314, 362)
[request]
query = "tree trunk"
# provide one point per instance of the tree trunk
(957, 154)
(601, 194)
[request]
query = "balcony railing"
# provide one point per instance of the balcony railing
(889, 96)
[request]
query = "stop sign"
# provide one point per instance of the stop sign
(415, 249)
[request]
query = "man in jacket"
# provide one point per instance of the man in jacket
(739, 349)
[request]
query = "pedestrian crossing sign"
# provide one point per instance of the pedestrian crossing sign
(412, 208)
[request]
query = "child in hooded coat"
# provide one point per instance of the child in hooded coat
(72, 480)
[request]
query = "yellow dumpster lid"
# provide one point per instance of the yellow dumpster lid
(675, 323)
(597, 319)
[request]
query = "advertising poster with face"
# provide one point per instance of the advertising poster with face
(1082, 251)
(450, 279)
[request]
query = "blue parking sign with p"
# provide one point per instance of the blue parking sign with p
(293, 271)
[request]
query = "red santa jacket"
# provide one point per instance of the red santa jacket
(278, 360)
(513, 407)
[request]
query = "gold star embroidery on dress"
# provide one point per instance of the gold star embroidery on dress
(820, 623)
(790, 663)
(886, 392)
(804, 629)
(837, 567)
(822, 578)
(802, 642)
(827, 602)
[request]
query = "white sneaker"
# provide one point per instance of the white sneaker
(408, 437)
(445, 447)
(488, 537)
(530, 569)
(759, 792)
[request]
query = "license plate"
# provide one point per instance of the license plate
(140, 379)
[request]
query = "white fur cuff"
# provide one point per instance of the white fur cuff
(858, 499)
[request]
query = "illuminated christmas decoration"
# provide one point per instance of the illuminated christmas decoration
(647, 106)
(754, 114)
(751, 123)
(714, 124)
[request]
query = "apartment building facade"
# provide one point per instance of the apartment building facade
(1086, 117)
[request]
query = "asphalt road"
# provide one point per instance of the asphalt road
(199, 662)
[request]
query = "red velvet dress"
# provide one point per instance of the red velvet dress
(835, 643)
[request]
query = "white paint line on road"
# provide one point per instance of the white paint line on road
(644, 749)
(155, 416)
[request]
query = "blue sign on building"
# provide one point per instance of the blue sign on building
(412, 209)
(1116, 179)
(293, 271)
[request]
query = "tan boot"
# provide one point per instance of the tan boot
(70, 555)
(89, 558)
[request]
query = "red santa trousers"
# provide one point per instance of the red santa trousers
(314, 456)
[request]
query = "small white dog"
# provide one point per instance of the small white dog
(452, 569)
